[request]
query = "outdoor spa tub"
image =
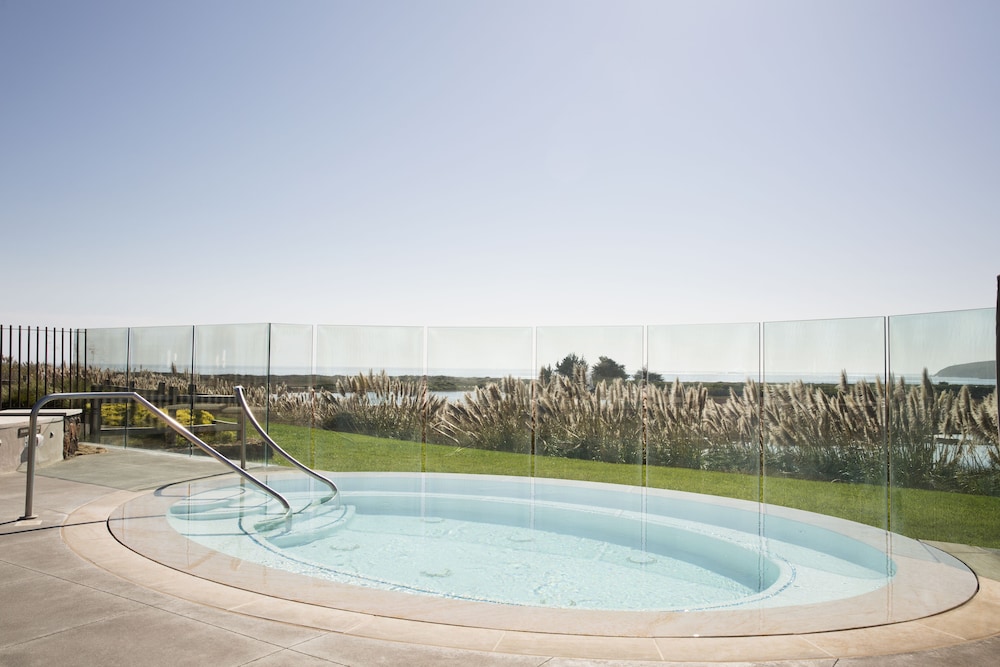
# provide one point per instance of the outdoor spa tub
(544, 555)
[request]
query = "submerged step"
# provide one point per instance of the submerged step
(305, 527)
(220, 504)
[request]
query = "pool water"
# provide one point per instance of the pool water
(540, 543)
(495, 563)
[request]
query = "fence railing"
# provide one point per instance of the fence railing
(35, 361)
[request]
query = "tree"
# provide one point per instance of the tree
(651, 378)
(608, 369)
(545, 374)
(567, 367)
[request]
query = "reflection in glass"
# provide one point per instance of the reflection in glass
(822, 421)
(226, 355)
(106, 358)
(823, 416)
(479, 407)
(160, 370)
(702, 406)
(370, 397)
(588, 410)
(943, 425)
(285, 406)
(820, 351)
(671, 406)
(352, 350)
(107, 353)
(588, 404)
(160, 351)
(956, 347)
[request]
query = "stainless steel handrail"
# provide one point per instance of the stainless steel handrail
(242, 400)
(175, 425)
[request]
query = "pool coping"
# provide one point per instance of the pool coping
(91, 539)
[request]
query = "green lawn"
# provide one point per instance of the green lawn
(929, 515)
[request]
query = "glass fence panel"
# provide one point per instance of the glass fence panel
(824, 443)
(225, 355)
(702, 408)
(160, 361)
(287, 406)
(106, 358)
(823, 417)
(370, 397)
(479, 383)
(945, 461)
(106, 352)
(588, 404)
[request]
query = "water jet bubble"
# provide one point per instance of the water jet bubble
(641, 558)
(436, 574)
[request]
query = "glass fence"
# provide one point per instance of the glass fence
(887, 421)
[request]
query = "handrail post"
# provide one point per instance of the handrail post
(32, 444)
(243, 440)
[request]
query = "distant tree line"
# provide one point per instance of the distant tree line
(605, 370)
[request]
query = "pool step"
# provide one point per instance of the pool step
(230, 503)
(306, 526)
(220, 504)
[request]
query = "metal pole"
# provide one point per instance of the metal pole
(19, 359)
(62, 360)
(29, 487)
(1, 369)
(38, 331)
(45, 368)
(243, 440)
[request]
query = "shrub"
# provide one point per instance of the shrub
(378, 405)
(116, 414)
(495, 417)
(194, 418)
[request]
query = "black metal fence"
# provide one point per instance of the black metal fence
(35, 361)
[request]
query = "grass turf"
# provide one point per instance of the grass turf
(923, 514)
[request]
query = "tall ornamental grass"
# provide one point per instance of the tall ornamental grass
(907, 434)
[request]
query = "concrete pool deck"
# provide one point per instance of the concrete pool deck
(71, 594)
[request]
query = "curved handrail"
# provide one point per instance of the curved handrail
(242, 400)
(175, 425)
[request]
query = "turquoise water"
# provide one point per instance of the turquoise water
(533, 543)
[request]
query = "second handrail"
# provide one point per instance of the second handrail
(242, 400)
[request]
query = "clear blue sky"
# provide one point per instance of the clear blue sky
(491, 163)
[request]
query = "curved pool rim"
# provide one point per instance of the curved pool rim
(926, 582)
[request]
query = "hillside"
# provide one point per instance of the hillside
(981, 370)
